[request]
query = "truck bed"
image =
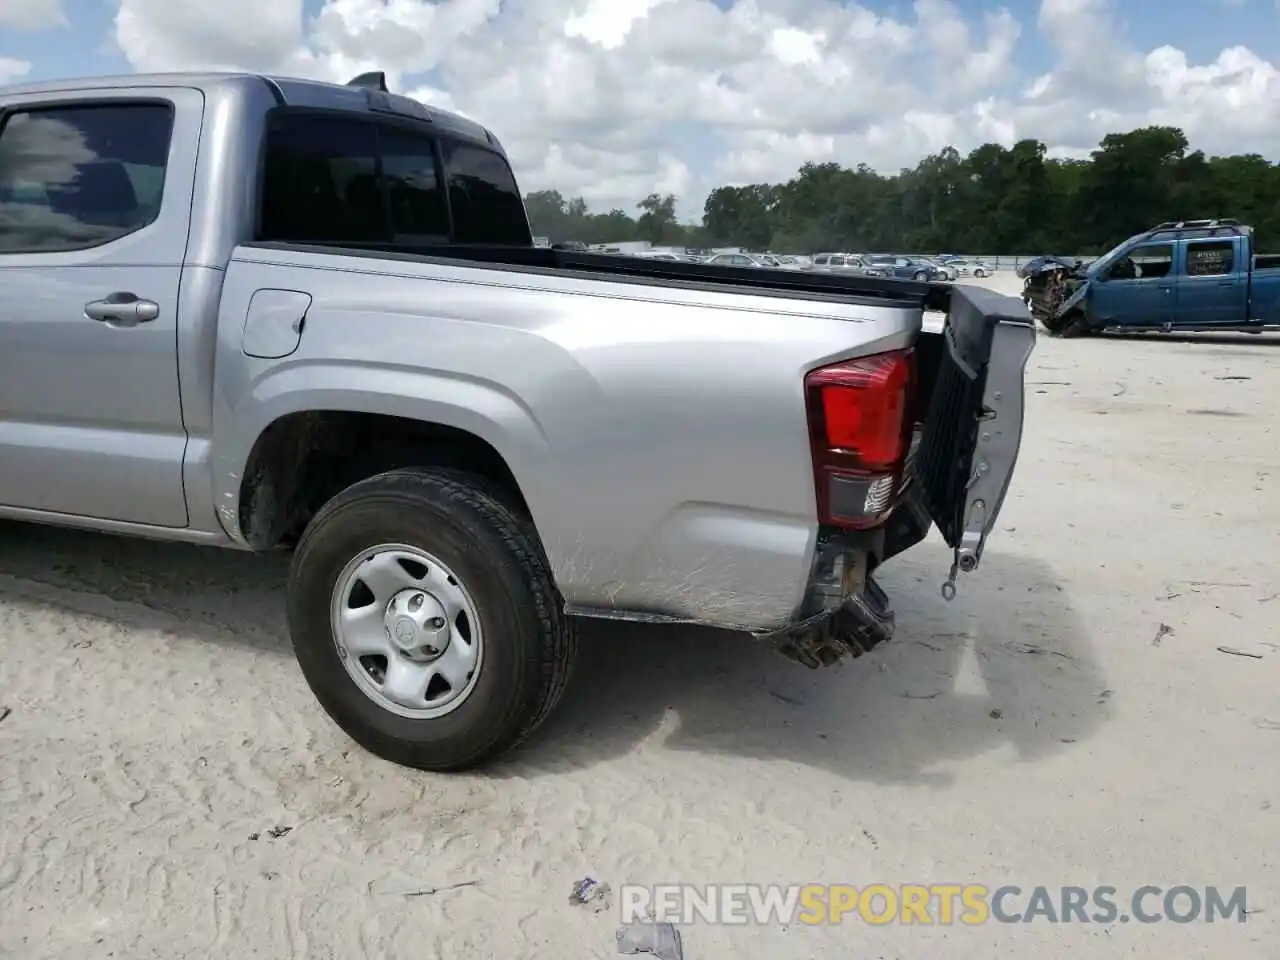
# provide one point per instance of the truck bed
(622, 269)
(952, 366)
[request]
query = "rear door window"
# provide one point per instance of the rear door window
(485, 201)
(72, 178)
(1210, 259)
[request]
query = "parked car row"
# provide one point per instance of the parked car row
(903, 266)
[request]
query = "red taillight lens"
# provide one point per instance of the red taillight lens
(864, 408)
(860, 422)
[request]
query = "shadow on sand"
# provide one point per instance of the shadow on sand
(1006, 664)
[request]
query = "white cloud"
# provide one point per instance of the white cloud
(31, 14)
(613, 99)
(11, 70)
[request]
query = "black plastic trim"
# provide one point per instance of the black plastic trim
(544, 261)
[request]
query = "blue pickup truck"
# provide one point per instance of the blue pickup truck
(1178, 276)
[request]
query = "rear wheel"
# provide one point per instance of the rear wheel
(979, 272)
(425, 620)
(921, 275)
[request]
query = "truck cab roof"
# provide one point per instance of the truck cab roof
(289, 91)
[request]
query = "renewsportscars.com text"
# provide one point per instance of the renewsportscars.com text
(928, 904)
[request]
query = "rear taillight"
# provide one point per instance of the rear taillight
(860, 424)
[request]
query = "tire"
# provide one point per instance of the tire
(1075, 325)
(921, 275)
(979, 273)
(526, 644)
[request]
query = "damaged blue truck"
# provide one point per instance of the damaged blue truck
(1180, 276)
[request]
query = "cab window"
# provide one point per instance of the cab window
(1210, 258)
(72, 178)
(486, 202)
(1145, 262)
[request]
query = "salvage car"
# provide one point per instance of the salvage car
(266, 314)
(1192, 275)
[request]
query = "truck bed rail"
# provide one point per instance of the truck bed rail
(928, 296)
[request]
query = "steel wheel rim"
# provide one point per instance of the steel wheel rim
(383, 613)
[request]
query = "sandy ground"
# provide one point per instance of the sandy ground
(1035, 731)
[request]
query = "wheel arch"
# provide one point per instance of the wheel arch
(295, 446)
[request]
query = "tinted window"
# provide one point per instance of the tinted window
(1143, 263)
(409, 165)
(320, 182)
(486, 202)
(1210, 259)
(78, 177)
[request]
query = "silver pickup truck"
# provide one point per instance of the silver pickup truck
(264, 313)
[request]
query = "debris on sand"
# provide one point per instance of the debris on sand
(432, 891)
(1021, 646)
(591, 893)
(4, 713)
(1232, 651)
(661, 940)
(1163, 631)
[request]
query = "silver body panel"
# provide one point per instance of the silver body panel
(657, 431)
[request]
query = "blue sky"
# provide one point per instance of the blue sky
(1201, 28)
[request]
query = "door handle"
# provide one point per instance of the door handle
(1226, 283)
(122, 310)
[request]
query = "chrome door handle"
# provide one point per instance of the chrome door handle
(122, 310)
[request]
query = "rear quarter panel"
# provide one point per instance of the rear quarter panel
(658, 434)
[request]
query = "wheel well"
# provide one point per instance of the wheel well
(303, 459)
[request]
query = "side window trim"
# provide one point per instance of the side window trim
(442, 179)
(380, 178)
(437, 160)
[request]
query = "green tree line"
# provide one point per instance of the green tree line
(995, 200)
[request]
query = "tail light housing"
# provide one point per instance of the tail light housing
(861, 419)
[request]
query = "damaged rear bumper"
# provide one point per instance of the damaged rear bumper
(957, 477)
(845, 611)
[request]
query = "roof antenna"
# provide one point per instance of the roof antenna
(374, 80)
